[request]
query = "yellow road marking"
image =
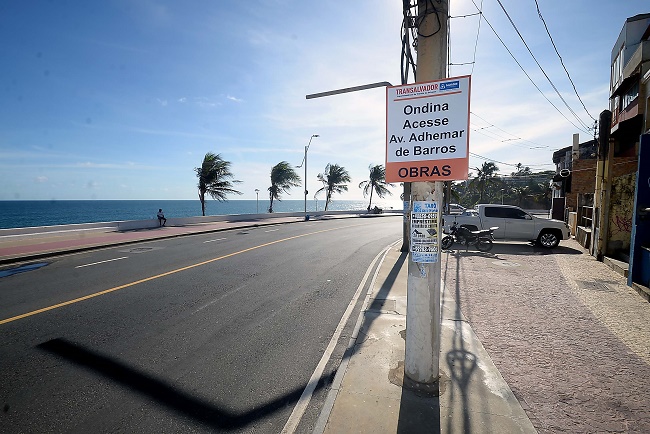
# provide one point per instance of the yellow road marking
(158, 276)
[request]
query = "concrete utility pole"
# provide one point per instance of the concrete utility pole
(421, 363)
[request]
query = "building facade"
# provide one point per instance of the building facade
(607, 194)
(619, 158)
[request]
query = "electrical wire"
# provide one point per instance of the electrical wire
(539, 13)
(429, 9)
(508, 164)
(407, 62)
(490, 124)
(501, 139)
(410, 33)
(473, 62)
(540, 67)
(478, 31)
(525, 73)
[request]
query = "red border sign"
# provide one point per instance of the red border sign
(427, 130)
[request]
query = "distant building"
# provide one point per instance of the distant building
(573, 186)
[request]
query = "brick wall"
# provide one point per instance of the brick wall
(583, 180)
(624, 166)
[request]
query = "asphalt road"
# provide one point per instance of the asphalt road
(213, 332)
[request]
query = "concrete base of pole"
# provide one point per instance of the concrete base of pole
(427, 390)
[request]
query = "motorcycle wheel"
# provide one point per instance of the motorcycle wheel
(484, 244)
(447, 242)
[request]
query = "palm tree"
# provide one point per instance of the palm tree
(522, 171)
(333, 179)
(521, 193)
(485, 178)
(283, 177)
(215, 179)
(376, 183)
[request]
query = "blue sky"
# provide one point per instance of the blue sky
(121, 99)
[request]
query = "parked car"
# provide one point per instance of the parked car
(513, 224)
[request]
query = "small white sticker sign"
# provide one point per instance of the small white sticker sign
(424, 232)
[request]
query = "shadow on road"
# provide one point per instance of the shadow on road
(168, 395)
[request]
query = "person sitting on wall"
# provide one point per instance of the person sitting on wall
(161, 218)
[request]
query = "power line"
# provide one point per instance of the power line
(524, 71)
(490, 124)
(540, 66)
(478, 31)
(508, 164)
(539, 13)
(501, 139)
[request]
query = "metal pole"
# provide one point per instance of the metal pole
(304, 161)
(421, 361)
(257, 200)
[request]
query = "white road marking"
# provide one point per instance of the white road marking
(303, 402)
(272, 230)
(218, 239)
(101, 262)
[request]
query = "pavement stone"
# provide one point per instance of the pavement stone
(564, 331)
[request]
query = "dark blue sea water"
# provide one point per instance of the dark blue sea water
(27, 213)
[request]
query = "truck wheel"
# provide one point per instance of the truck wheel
(548, 239)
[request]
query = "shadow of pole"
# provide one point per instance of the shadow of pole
(460, 361)
(182, 403)
(391, 277)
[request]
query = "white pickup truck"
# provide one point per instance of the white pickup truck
(513, 224)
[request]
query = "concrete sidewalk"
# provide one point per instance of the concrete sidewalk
(367, 394)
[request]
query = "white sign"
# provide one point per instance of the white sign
(427, 131)
(424, 232)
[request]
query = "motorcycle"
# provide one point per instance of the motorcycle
(462, 235)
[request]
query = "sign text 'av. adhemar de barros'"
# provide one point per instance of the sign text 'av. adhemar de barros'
(427, 131)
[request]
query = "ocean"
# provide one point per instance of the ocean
(33, 213)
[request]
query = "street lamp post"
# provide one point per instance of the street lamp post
(304, 161)
(502, 196)
(257, 200)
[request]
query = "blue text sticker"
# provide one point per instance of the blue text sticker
(421, 206)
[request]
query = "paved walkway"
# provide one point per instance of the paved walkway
(565, 331)
(37, 244)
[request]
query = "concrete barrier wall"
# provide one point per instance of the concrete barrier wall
(181, 221)
(59, 228)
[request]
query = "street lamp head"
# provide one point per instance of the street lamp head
(315, 135)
